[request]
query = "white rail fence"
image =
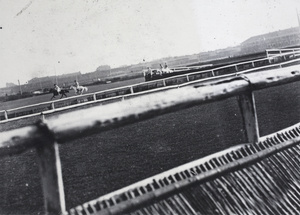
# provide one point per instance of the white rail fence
(275, 52)
(47, 134)
(280, 59)
(218, 183)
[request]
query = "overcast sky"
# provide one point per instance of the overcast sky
(43, 38)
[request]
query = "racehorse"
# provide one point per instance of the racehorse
(166, 70)
(79, 90)
(55, 93)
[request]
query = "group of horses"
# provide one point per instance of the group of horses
(63, 92)
(154, 74)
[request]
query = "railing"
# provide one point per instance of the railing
(276, 52)
(118, 94)
(258, 178)
(48, 133)
(271, 59)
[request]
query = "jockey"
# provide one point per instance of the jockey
(166, 69)
(76, 85)
(150, 72)
(57, 88)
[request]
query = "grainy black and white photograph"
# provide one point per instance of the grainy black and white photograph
(161, 107)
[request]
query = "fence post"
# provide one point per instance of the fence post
(43, 117)
(51, 175)
(269, 57)
(248, 109)
(131, 90)
(52, 106)
(284, 56)
(187, 78)
(94, 97)
(5, 114)
(270, 60)
(294, 54)
(236, 68)
(267, 52)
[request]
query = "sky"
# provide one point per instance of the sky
(43, 38)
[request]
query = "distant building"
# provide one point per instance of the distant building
(12, 90)
(10, 85)
(48, 81)
(278, 39)
(103, 68)
(219, 54)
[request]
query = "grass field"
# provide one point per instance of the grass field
(98, 164)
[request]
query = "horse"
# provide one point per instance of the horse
(166, 71)
(55, 93)
(79, 90)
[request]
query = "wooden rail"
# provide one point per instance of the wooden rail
(276, 52)
(132, 90)
(215, 174)
(47, 133)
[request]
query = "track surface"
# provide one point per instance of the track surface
(47, 97)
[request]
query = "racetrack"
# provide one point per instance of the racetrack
(100, 163)
(47, 97)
